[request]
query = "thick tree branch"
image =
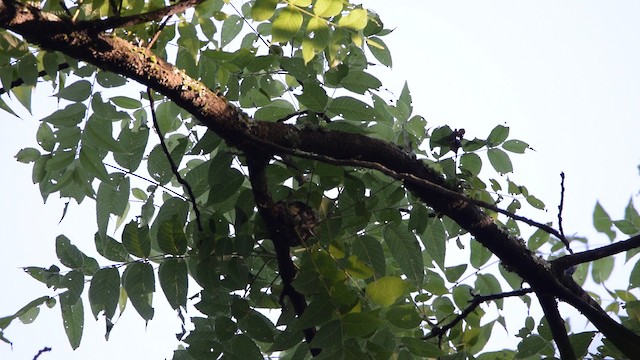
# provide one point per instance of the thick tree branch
(568, 261)
(111, 53)
(256, 162)
(556, 324)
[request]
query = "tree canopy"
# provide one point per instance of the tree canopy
(258, 162)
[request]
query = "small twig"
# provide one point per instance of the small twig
(474, 303)
(127, 21)
(560, 208)
(20, 81)
(145, 179)
(249, 25)
(568, 261)
(323, 116)
(43, 350)
(556, 324)
(157, 34)
(174, 166)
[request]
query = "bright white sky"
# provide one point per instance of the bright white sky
(564, 76)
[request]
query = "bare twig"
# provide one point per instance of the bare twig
(556, 324)
(20, 81)
(174, 166)
(560, 208)
(474, 303)
(127, 21)
(568, 261)
(43, 350)
(145, 179)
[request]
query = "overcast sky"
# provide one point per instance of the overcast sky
(563, 76)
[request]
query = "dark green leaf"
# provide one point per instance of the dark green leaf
(135, 142)
(104, 292)
(368, 249)
(72, 318)
(68, 254)
(78, 91)
(403, 316)
(515, 146)
(602, 221)
(27, 155)
(138, 281)
(231, 27)
(406, 251)
(479, 254)
(422, 348)
(173, 276)
(171, 237)
(136, 239)
(352, 109)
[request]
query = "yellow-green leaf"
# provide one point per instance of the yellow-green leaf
(286, 24)
(327, 8)
(355, 20)
(263, 9)
(385, 291)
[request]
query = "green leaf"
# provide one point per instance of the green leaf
(601, 269)
(231, 27)
(68, 254)
(111, 249)
(276, 110)
(487, 284)
(360, 82)
(126, 102)
(28, 70)
(535, 202)
(537, 239)
(313, 97)
(138, 281)
(135, 142)
(453, 273)
(498, 135)
(434, 240)
(242, 347)
(379, 50)
(422, 348)
(403, 316)
(71, 115)
(479, 255)
(72, 318)
(318, 312)
(515, 146)
(530, 346)
(602, 221)
(406, 251)
(471, 163)
(634, 277)
(499, 160)
(107, 79)
(173, 276)
(368, 249)
(112, 198)
(355, 20)
(386, 290)
(171, 237)
(97, 133)
(327, 8)
(581, 341)
(257, 326)
(158, 165)
(27, 155)
(329, 334)
(78, 91)
(360, 324)
(263, 9)
(136, 240)
(104, 292)
(286, 24)
(352, 109)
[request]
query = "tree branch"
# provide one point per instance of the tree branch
(238, 130)
(568, 261)
(256, 162)
(474, 303)
(556, 324)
